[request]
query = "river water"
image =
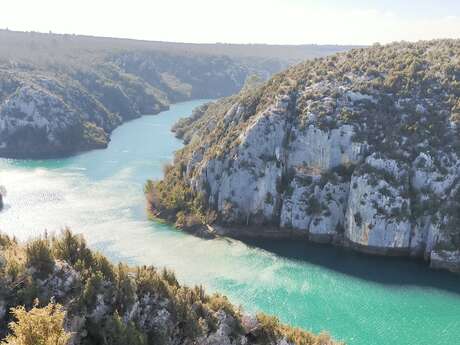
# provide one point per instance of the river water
(359, 299)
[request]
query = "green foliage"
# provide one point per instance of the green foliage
(102, 265)
(172, 199)
(38, 326)
(116, 332)
(94, 135)
(93, 285)
(314, 206)
(71, 248)
(125, 289)
(39, 257)
(270, 329)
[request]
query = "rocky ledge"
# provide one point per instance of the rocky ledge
(359, 149)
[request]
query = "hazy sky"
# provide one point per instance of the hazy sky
(240, 21)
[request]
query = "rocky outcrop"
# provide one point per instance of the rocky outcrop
(357, 149)
(117, 304)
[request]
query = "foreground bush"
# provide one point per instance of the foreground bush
(39, 326)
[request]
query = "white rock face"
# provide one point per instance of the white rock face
(285, 174)
(435, 184)
(314, 207)
(426, 174)
(43, 118)
(314, 147)
(244, 186)
(33, 109)
(425, 235)
(62, 281)
(378, 209)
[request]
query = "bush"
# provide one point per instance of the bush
(125, 291)
(102, 265)
(116, 332)
(269, 330)
(93, 286)
(72, 248)
(39, 326)
(40, 257)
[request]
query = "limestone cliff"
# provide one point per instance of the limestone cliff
(360, 149)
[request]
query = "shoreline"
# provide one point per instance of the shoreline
(63, 154)
(270, 232)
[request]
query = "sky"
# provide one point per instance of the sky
(240, 21)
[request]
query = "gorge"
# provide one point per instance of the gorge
(359, 149)
(63, 94)
(99, 194)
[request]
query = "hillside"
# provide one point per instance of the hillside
(359, 149)
(61, 94)
(117, 304)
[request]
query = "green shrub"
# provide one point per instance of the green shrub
(39, 257)
(39, 326)
(71, 248)
(125, 290)
(116, 332)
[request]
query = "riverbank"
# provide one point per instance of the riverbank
(269, 232)
(316, 287)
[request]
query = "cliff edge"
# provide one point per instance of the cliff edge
(359, 149)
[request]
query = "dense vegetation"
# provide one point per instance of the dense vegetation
(399, 104)
(56, 287)
(61, 94)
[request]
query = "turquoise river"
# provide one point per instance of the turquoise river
(360, 299)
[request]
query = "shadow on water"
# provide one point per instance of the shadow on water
(384, 270)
